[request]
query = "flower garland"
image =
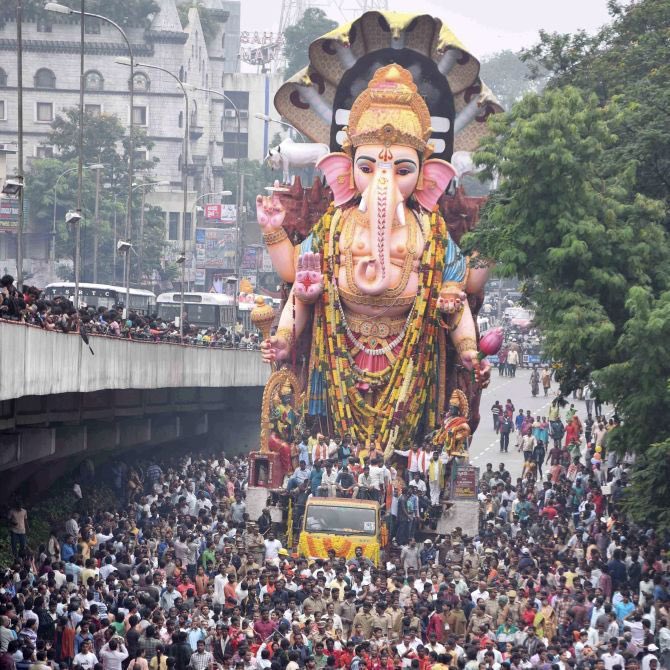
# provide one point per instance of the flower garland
(406, 390)
(318, 547)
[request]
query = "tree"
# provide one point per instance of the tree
(509, 77)
(626, 67)
(591, 248)
(103, 135)
(313, 24)
(627, 62)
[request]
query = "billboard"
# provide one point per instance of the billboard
(224, 214)
(251, 258)
(215, 248)
(464, 482)
(9, 213)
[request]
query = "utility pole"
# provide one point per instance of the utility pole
(140, 250)
(80, 161)
(19, 157)
(96, 226)
(115, 251)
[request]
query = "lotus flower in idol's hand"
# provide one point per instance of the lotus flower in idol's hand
(490, 342)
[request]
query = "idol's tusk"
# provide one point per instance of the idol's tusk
(400, 213)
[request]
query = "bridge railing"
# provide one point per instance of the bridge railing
(34, 361)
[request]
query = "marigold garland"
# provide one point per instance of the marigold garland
(408, 390)
(318, 547)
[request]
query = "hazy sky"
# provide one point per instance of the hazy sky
(484, 26)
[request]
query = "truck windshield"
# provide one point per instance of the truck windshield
(340, 520)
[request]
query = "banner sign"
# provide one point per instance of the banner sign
(464, 482)
(215, 248)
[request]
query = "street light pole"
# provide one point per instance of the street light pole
(184, 172)
(80, 162)
(62, 9)
(238, 197)
(19, 157)
(96, 226)
(53, 224)
(114, 249)
(268, 119)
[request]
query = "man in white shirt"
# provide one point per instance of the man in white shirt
(328, 479)
(480, 592)
(272, 547)
(377, 477)
(417, 460)
(219, 597)
(113, 654)
(72, 526)
(612, 657)
(86, 658)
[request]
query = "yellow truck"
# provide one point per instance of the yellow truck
(341, 524)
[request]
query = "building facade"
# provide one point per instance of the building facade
(220, 129)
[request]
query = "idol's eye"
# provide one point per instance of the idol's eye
(365, 168)
(404, 171)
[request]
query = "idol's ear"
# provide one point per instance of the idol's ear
(433, 181)
(338, 169)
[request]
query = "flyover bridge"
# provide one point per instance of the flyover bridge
(60, 404)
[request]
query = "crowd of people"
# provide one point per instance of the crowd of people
(29, 305)
(178, 576)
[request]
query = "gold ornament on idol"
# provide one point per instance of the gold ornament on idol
(274, 237)
(390, 111)
(466, 344)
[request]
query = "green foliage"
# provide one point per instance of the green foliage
(313, 24)
(52, 510)
(583, 216)
(628, 63)
(103, 135)
(509, 77)
(646, 497)
(257, 176)
(569, 224)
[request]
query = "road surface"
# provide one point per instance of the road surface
(485, 447)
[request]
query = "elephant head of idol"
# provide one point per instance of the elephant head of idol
(386, 162)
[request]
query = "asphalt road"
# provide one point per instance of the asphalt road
(485, 447)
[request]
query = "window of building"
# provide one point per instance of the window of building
(44, 112)
(140, 115)
(141, 156)
(3, 111)
(194, 113)
(93, 110)
(91, 26)
(93, 81)
(223, 41)
(44, 152)
(181, 119)
(140, 82)
(45, 78)
(173, 225)
(3, 78)
(43, 26)
(181, 73)
(231, 144)
(239, 98)
(187, 226)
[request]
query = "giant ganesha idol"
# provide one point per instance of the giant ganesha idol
(379, 287)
